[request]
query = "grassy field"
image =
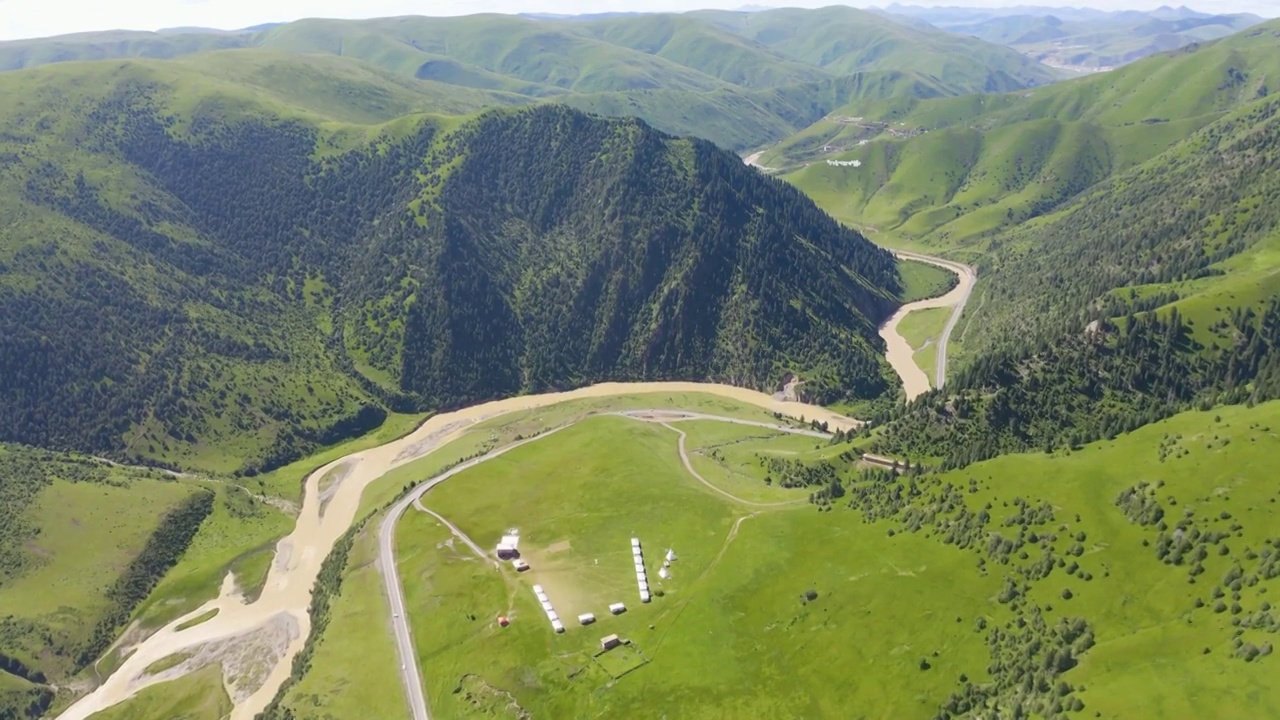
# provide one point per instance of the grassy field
(922, 280)
(359, 628)
(237, 537)
(88, 533)
(741, 579)
(1157, 655)
(735, 608)
(921, 329)
(198, 696)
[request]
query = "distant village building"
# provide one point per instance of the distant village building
(608, 642)
(617, 608)
(586, 618)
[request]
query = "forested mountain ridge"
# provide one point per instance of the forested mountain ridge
(708, 77)
(216, 281)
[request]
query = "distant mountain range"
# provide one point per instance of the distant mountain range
(739, 79)
(1080, 39)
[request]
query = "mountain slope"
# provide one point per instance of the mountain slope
(202, 276)
(952, 171)
(843, 40)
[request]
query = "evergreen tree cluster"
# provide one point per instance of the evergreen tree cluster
(1087, 386)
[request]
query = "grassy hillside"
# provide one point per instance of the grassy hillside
(681, 73)
(843, 40)
(949, 171)
(1066, 574)
(82, 544)
(278, 280)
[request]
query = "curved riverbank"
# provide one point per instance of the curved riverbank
(287, 591)
(898, 351)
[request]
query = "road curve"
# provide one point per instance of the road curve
(410, 674)
(899, 352)
(299, 556)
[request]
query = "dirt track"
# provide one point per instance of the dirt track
(899, 352)
(298, 556)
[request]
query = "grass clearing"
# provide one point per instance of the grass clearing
(735, 458)
(921, 280)
(355, 671)
(198, 696)
(237, 522)
(201, 618)
(922, 329)
(88, 534)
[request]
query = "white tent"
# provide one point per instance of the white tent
(671, 555)
(664, 573)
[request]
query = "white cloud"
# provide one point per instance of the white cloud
(39, 18)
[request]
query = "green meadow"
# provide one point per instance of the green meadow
(922, 329)
(733, 631)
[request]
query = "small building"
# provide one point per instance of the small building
(609, 642)
(617, 608)
(546, 606)
(520, 565)
(537, 589)
(635, 542)
(586, 618)
(509, 546)
(557, 626)
(644, 596)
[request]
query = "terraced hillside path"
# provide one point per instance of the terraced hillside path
(899, 352)
(286, 594)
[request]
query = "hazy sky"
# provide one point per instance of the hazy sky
(39, 18)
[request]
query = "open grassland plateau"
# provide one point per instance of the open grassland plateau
(737, 607)
(1067, 573)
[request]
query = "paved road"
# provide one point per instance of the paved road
(410, 675)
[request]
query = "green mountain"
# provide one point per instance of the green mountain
(685, 74)
(204, 274)
(952, 171)
(1080, 39)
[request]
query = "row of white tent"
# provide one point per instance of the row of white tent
(641, 578)
(548, 609)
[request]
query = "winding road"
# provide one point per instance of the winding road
(899, 352)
